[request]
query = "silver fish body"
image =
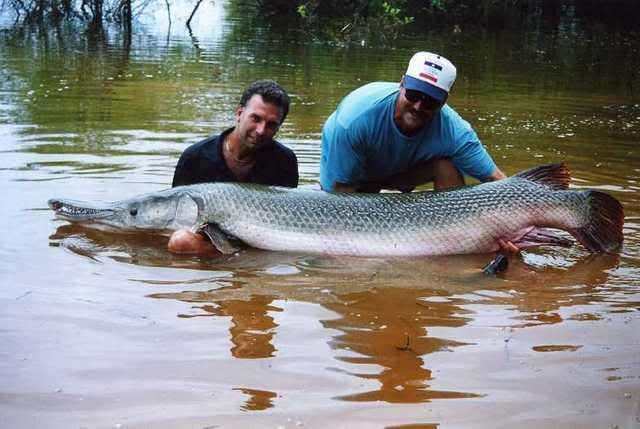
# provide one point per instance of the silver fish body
(465, 220)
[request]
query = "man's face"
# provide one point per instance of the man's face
(257, 122)
(414, 110)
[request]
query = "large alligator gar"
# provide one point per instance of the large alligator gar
(465, 220)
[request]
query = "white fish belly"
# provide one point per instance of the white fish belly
(453, 240)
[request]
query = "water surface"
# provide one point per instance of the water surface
(100, 329)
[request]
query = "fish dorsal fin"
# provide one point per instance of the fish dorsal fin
(555, 176)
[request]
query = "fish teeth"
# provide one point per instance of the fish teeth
(76, 211)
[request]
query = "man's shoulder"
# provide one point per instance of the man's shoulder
(367, 101)
(449, 113)
(452, 119)
(200, 162)
(370, 95)
(375, 90)
(206, 146)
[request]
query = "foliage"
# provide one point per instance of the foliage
(385, 19)
(355, 20)
(92, 12)
(345, 20)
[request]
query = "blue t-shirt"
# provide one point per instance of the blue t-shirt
(361, 142)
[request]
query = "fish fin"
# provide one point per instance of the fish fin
(540, 237)
(219, 239)
(555, 176)
(603, 231)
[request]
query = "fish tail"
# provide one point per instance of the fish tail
(555, 176)
(602, 233)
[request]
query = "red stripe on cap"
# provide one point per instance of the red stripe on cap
(429, 77)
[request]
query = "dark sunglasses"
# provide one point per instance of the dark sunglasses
(428, 103)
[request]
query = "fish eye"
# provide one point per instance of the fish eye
(133, 211)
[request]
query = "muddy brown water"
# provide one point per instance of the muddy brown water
(109, 330)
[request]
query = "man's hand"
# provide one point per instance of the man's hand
(496, 175)
(186, 242)
(508, 248)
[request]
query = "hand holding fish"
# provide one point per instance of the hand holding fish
(507, 247)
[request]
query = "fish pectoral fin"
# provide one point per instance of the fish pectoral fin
(220, 240)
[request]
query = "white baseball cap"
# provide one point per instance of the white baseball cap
(430, 73)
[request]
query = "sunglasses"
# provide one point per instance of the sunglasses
(427, 102)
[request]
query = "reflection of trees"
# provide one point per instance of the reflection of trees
(109, 90)
(93, 13)
(72, 83)
(388, 327)
(90, 87)
(357, 13)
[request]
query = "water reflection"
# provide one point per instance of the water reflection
(252, 327)
(52, 169)
(94, 243)
(546, 289)
(388, 328)
(386, 312)
(103, 118)
(258, 399)
(385, 327)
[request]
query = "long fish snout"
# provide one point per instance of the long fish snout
(151, 212)
(77, 211)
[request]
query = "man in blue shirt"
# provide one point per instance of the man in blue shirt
(244, 153)
(389, 136)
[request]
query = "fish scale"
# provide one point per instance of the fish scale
(465, 220)
(387, 224)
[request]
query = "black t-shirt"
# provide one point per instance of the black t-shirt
(203, 162)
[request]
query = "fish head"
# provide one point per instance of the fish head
(162, 212)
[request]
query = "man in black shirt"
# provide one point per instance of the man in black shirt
(245, 153)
